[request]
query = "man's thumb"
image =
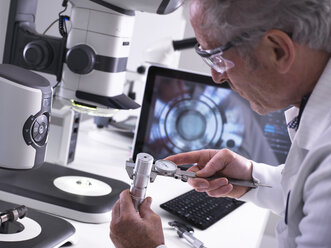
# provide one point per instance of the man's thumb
(145, 207)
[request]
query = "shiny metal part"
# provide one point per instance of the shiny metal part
(141, 177)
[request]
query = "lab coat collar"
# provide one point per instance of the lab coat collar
(315, 116)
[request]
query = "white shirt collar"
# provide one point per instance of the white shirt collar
(290, 114)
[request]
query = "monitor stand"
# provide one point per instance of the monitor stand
(62, 191)
(39, 230)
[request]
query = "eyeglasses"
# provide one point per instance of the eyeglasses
(214, 57)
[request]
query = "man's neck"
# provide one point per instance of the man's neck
(309, 70)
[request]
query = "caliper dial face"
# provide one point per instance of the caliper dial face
(165, 167)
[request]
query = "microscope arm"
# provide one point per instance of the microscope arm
(25, 47)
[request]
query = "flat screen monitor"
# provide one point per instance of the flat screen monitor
(185, 111)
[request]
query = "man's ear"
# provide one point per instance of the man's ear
(280, 49)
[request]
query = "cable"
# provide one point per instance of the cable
(62, 25)
(62, 20)
(65, 3)
(57, 84)
(50, 26)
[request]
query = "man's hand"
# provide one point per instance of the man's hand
(222, 163)
(131, 229)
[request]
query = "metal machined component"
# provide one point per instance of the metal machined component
(13, 214)
(141, 177)
(186, 232)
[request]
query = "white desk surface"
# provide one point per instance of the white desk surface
(102, 152)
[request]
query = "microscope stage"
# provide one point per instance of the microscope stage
(40, 230)
(62, 191)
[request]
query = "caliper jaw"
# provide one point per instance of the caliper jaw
(129, 166)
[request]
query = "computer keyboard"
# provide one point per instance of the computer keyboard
(200, 210)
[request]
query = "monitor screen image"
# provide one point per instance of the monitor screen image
(185, 111)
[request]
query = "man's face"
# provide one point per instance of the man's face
(260, 85)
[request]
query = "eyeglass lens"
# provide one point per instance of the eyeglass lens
(218, 63)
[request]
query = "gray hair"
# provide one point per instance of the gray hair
(308, 21)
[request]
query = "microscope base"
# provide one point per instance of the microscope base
(40, 231)
(36, 189)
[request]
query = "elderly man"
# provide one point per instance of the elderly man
(274, 53)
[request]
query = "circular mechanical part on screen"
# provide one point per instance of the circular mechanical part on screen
(191, 124)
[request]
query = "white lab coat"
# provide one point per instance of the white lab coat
(301, 189)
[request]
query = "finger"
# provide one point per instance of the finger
(199, 183)
(202, 185)
(115, 217)
(191, 157)
(217, 183)
(185, 158)
(115, 214)
(217, 163)
(145, 208)
(221, 191)
(126, 204)
(194, 168)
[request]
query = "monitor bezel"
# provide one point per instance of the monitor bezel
(153, 71)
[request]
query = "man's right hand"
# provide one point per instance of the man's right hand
(129, 228)
(222, 163)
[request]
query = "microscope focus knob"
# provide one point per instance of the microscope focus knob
(37, 54)
(80, 59)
